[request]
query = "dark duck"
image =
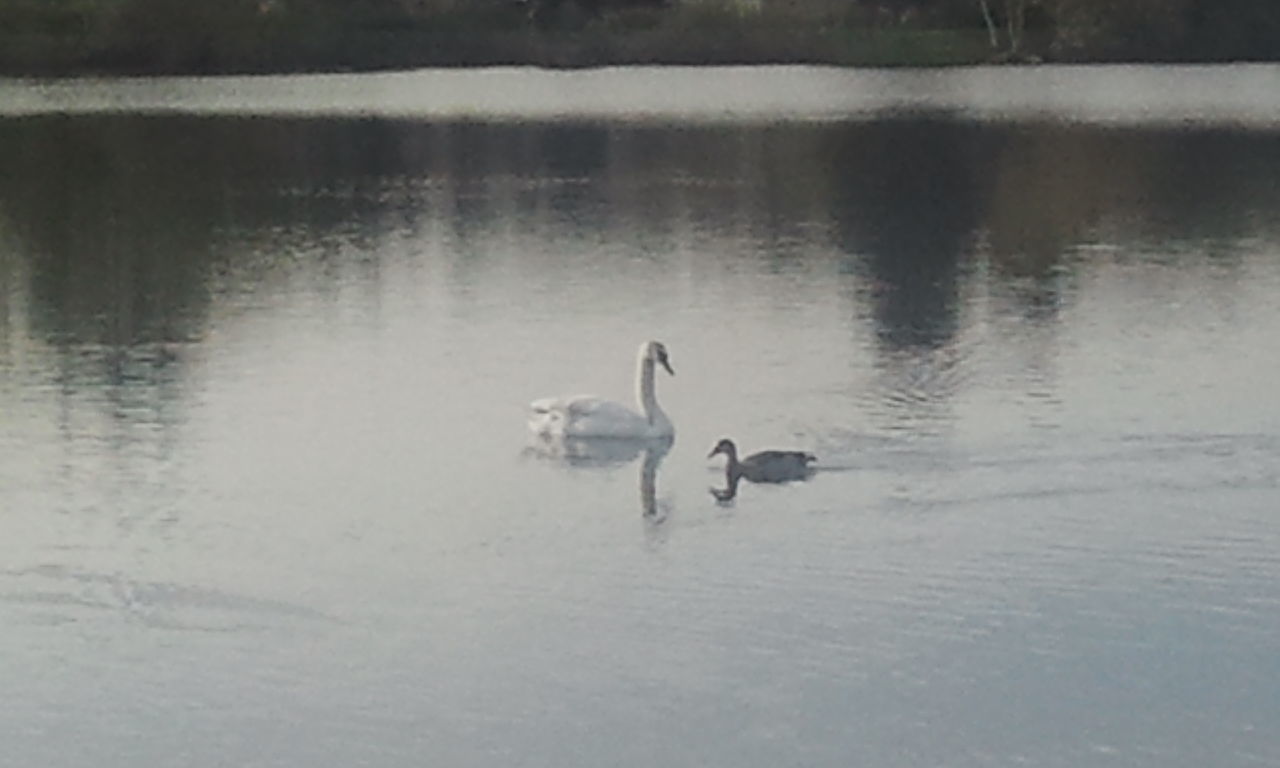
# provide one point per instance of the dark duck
(764, 466)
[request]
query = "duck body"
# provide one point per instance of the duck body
(588, 416)
(772, 466)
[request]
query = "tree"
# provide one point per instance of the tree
(1014, 15)
(1120, 28)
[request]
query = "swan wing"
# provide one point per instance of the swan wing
(577, 406)
(549, 415)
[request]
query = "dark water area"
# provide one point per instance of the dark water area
(125, 211)
(267, 495)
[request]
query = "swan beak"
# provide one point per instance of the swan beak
(666, 364)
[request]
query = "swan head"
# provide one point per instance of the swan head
(656, 351)
(726, 447)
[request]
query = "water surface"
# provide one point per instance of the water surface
(267, 498)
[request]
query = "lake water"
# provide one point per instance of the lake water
(267, 496)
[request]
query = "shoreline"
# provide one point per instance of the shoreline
(1117, 95)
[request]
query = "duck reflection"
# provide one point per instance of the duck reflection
(731, 479)
(605, 452)
(726, 494)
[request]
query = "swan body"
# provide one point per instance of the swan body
(591, 416)
(765, 466)
(594, 451)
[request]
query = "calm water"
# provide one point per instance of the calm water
(266, 495)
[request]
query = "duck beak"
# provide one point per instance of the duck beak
(714, 451)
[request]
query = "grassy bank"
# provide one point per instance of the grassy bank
(58, 37)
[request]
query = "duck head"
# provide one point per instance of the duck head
(726, 447)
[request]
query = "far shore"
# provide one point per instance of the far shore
(866, 48)
(161, 37)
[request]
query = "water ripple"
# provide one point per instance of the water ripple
(65, 595)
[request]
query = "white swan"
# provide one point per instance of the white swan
(590, 416)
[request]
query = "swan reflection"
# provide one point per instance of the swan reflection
(607, 452)
(649, 482)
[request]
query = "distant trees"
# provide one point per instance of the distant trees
(1222, 29)
(547, 11)
(289, 35)
(1105, 29)
(1167, 29)
(1136, 29)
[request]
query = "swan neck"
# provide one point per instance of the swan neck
(644, 388)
